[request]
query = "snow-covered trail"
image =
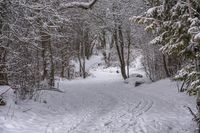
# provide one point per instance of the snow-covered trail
(104, 104)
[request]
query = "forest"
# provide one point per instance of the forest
(100, 66)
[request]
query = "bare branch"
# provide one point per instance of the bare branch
(4, 92)
(192, 113)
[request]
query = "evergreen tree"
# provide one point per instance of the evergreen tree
(176, 25)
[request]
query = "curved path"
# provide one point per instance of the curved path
(104, 104)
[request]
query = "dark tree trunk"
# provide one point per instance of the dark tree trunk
(165, 67)
(81, 59)
(3, 72)
(52, 69)
(62, 74)
(129, 51)
(44, 54)
(120, 51)
(47, 56)
(3, 51)
(123, 64)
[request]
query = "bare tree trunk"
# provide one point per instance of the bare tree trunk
(38, 69)
(44, 54)
(120, 51)
(47, 56)
(3, 72)
(103, 45)
(81, 59)
(3, 54)
(87, 44)
(62, 66)
(80, 66)
(165, 66)
(83, 65)
(123, 64)
(129, 51)
(52, 69)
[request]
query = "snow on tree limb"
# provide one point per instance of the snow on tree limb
(197, 38)
(83, 5)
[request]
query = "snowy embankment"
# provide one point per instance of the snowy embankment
(102, 103)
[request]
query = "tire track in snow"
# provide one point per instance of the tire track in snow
(133, 114)
(105, 105)
(135, 124)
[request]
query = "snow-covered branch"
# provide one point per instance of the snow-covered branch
(83, 5)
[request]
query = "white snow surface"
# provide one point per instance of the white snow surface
(102, 103)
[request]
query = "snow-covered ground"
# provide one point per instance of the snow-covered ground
(102, 103)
